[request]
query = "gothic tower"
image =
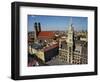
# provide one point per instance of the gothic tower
(35, 31)
(70, 43)
(37, 27)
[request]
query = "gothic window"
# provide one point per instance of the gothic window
(70, 40)
(69, 49)
(70, 35)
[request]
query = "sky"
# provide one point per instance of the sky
(57, 22)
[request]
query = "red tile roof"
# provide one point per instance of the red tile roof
(46, 35)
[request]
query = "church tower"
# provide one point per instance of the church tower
(70, 43)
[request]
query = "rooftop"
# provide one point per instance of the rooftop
(46, 35)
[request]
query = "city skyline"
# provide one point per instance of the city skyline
(64, 47)
(57, 22)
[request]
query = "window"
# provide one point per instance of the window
(69, 49)
(70, 40)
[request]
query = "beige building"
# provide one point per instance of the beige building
(70, 43)
(66, 54)
(40, 54)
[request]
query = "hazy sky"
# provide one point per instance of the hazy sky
(57, 22)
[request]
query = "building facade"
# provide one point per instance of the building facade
(74, 51)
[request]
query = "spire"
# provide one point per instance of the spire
(71, 20)
(70, 24)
